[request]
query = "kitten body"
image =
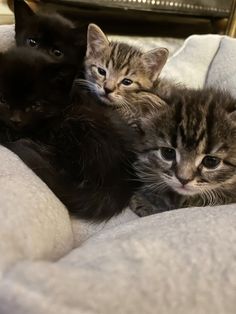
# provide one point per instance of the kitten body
(97, 151)
(52, 33)
(121, 75)
(188, 156)
(82, 150)
(87, 163)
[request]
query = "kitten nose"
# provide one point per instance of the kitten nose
(107, 90)
(16, 117)
(183, 180)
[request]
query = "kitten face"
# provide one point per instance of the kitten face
(114, 70)
(33, 87)
(191, 145)
(51, 33)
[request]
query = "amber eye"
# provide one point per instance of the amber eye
(101, 71)
(32, 43)
(168, 153)
(57, 53)
(211, 162)
(126, 82)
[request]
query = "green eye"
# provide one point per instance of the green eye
(32, 43)
(211, 162)
(101, 71)
(126, 82)
(167, 153)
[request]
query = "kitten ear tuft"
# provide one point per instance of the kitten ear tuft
(96, 41)
(22, 13)
(155, 60)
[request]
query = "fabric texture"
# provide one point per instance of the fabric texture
(177, 262)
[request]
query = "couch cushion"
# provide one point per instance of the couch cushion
(191, 7)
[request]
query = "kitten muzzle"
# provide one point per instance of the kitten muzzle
(16, 117)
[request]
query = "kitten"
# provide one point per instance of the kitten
(28, 101)
(119, 74)
(97, 151)
(54, 34)
(82, 150)
(189, 156)
(87, 163)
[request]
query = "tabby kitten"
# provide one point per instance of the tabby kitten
(54, 34)
(120, 74)
(189, 155)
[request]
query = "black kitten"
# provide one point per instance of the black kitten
(52, 33)
(34, 89)
(82, 150)
(97, 151)
(88, 164)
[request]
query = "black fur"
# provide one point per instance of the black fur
(82, 150)
(34, 89)
(52, 32)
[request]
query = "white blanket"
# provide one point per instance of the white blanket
(178, 262)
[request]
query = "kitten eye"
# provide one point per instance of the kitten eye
(211, 162)
(57, 53)
(37, 106)
(168, 153)
(101, 71)
(3, 100)
(32, 43)
(126, 82)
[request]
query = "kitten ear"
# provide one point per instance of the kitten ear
(155, 60)
(97, 41)
(22, 13)
(80, 40)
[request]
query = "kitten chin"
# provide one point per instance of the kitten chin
(189, 149)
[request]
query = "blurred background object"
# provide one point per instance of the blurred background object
(172, 18)
(6, 15)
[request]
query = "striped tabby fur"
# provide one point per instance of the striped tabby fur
(119, 74)
(188, 156)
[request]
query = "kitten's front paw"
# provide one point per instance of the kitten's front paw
(140, 206)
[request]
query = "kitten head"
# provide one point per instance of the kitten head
(115, 70)
(51, 33)
(33, 87)
(190, 145)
